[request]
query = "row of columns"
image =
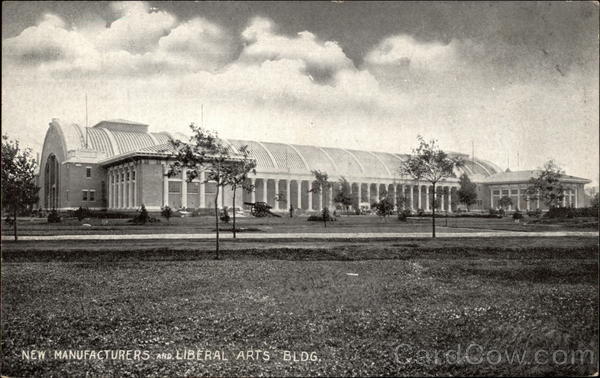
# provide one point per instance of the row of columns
(261, 185)
(122, 187)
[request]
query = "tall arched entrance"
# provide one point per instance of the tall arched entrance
(51, 188)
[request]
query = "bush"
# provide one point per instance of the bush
(420, 212)
(571, 212)
(225, 218)
(166, 212)
(517, 215)
(53, 217)
(82, 213)
(534, 213)
(142, 217)
(10, 222)
(319, 218)
(404, 214)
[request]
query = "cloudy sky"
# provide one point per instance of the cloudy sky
(518, 80)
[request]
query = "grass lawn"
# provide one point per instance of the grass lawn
(404, 303)
(205, 224)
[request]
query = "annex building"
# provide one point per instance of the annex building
(119, 165)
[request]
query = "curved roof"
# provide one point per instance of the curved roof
(119, 137)
(110, 140)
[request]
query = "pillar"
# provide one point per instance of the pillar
(419, 199)
(264, 193)
(359, 193)
(310, 194)
(184, 188)
(576, 196)
(276, 202)
(331, 197)
(165, 186)
(253, 192)
(527, 202)
(376, 192)
(449, 199)
(412, 202)
(427, 200)
(202, 190)
(403, 195)
(564, 199)
(288, 193)
(299, 193)
(538, 199)
(491, 198)
(442, 204)
(130, 189)
(135, 200)
(519, 197)
(369, 194)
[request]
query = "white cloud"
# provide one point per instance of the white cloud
(137, 29)
(322, 58)
(404, 51)
(50, 45)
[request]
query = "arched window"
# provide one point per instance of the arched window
(51, 187)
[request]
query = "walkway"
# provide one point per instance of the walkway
(323, 235)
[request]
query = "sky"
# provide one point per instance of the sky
(515, 83)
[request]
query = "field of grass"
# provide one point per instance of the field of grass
(188, 225)
(362, 308)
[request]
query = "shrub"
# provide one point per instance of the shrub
(319, 218)
(570, 212)
(534, 213)
(420, 212)
(225, 216)
(142, 217)
(82, 213)
(167, 212)
(53, 217)
(404, 214)
(9, 221)
(517, 215)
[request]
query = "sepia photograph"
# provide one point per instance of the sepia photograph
(300, 188)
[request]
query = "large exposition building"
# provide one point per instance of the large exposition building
(120, 165)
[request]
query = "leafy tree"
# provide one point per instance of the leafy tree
(205, 152)
(547, 186)
(321, 184)
(467, 193)
(167, 212)
(428, 162)
(343, 196)
(236, 175)
(19, 190)
(504, 202)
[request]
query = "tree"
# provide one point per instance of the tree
(504, 202)
(467, 193)
(205, 152)
(428, 162)
(343, 196)
(236, 175)
(167, 212)
(320, 184)
(547, 186)
(19, 190)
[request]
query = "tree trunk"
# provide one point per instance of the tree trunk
(433, 213)
(234, 190)
(217, 219)
(15, 225)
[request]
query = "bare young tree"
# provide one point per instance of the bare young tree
(205, 152)
(236, 175)
(321, 184)
(429, 163)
